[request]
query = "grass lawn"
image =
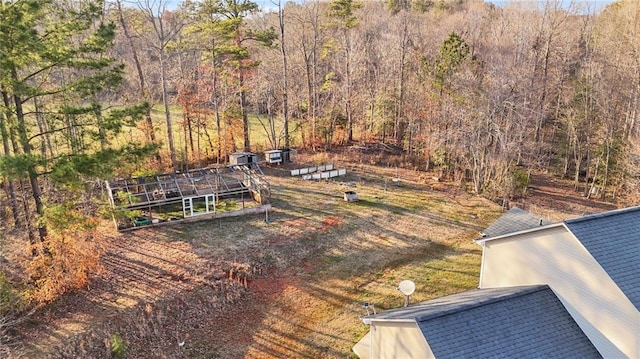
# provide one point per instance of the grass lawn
(319, 258)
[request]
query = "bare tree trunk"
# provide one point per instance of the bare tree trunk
(314, 91)
(311, 71)
(285, 84)
(186, 128)
(243, 111)
(587, 174)
(577, 162)
(209, 141)
(167, 110)
(271, 128)
(214, 97)
(348, 110)
(154, 12)
(605, 176)
(543, 95)
(565, 168)
(398, 131)
(632, 114)
(589, 189)
(36, 191)
(198, 125)
(187, 112)
(149, 130)
(10, 187)
(43, 128)
(310, 67)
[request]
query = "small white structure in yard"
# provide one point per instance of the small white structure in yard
(308, 170)
(242, 158)
(325, 174)
(350, 196)
(273, 156)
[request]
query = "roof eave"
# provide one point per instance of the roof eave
(369, 320)
(481, 241)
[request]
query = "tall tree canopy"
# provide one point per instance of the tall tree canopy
(477, 92)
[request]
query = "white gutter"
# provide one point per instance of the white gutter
(370, 321)
(481, 241)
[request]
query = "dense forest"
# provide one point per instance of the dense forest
(481, 95)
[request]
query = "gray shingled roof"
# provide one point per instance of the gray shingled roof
(513, 322)
(613, 239)
(514, 220)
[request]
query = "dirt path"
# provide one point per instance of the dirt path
(557, 200)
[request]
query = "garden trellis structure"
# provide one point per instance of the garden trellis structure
(195, 194)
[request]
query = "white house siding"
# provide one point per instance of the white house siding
(398, 340)
(363, 348)
(555, 257)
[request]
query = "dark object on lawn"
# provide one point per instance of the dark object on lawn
(141, 221)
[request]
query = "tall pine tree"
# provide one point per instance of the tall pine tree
(54, 74)
(226, 22)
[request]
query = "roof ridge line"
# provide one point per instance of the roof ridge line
(610, 213)
(527, 289)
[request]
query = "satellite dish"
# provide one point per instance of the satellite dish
(407, 287)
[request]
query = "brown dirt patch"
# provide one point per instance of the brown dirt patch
(557, 199)
(298, 223)
(270, 287)
(328, 223)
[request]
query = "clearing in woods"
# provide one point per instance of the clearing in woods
(289, 287)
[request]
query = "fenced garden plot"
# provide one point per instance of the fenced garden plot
(203, 192)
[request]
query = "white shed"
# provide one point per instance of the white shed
(273, 156)
(242, 158)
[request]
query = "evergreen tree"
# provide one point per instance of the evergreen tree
(54, 74)
(226, 21)
(453, 52)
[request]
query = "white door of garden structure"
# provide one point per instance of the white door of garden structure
(192, 206)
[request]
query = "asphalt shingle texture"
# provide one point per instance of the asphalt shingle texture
(514, 220)
(613, 239)
(528, 322)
